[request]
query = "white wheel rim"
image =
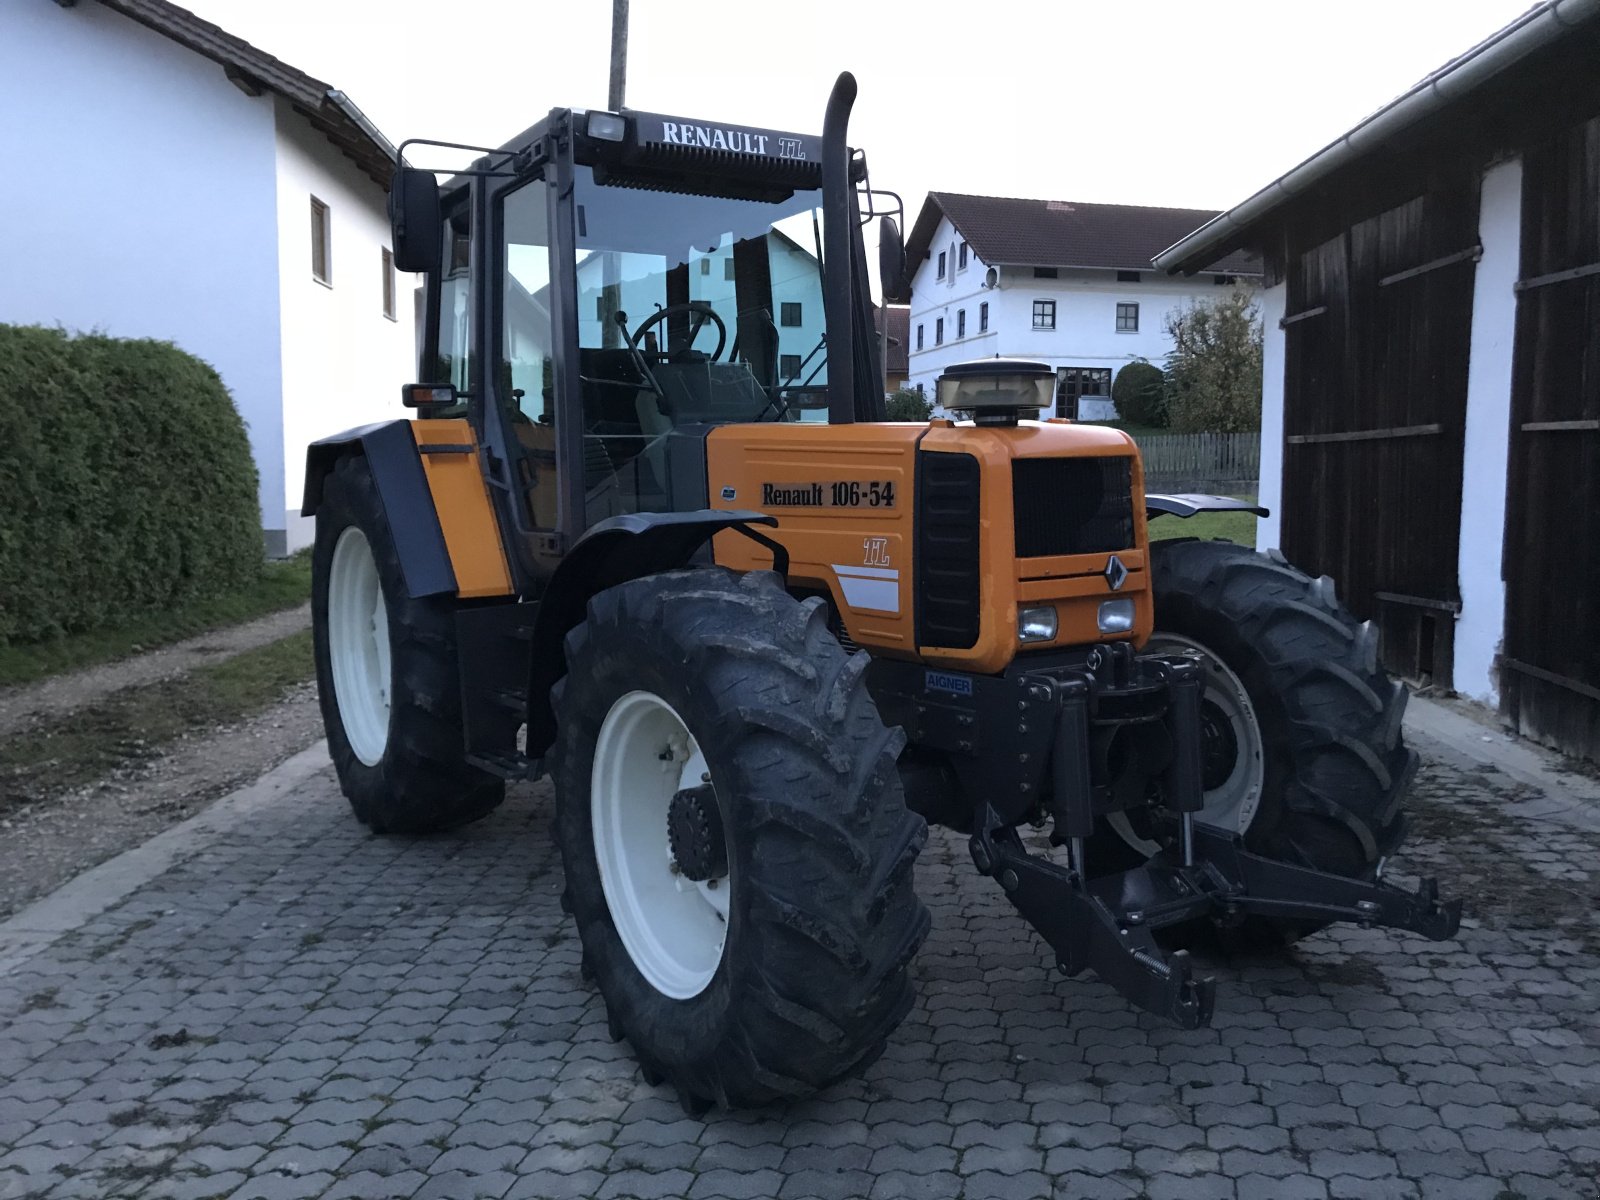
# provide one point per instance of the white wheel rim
(1232, 803)
(673, 928)
(358, 646)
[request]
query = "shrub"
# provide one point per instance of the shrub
(908, 404)
(1140, 394)
(126, 483)
(1214, 370)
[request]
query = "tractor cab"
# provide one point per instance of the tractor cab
(643, 277)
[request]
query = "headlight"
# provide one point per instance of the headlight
(1036, 625)
(1116, 616)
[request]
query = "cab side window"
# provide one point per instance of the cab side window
(455, 304)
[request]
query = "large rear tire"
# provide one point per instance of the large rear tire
(737, 849)
(1303, 747)
(386, 672)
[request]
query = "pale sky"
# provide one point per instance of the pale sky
(1169, 102)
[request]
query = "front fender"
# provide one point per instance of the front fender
(1186, 504)
(614, 551)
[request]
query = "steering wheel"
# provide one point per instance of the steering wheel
(698, 312)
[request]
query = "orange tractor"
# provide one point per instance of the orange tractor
(650, 534)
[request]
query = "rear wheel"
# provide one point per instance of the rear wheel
(386, 672)
(738, 854)
(1301, 743)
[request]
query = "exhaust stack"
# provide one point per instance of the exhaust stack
(836, 251)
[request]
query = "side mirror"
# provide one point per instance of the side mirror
(428, 395)
(414, 220)
(891, 257)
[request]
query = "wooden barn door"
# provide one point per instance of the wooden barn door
(1550, 661)
(1378, 331)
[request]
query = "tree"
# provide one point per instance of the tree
(909, 405)
(1214, 370)
(1140, 394)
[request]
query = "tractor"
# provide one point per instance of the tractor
(650, 534)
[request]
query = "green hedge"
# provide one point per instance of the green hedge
(126, 483)
(1140, 394)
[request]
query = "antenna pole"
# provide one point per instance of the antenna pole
(619, 54)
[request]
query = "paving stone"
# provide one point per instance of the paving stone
(439, 1041)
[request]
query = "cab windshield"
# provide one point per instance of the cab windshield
(691, 310)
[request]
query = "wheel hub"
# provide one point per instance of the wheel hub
(1219, 747)
(694, 834)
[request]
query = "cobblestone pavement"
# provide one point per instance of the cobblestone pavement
(295, 1008)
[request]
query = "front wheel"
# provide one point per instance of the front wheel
(737, 850)
(1302, 751)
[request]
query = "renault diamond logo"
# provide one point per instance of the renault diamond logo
(1116, 574)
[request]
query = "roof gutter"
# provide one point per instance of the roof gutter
(347, 106)
(1532, 31)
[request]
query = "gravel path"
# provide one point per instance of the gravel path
(43, 845)
(23, 705)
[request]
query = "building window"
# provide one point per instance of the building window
(1127, 277)
(789, 313)
(961, 258)
(1127, 318)
(789, 365)
(705, 266)
(388, 284)
(321, 243)
(938, 332)
(1044, 314)
(941, 264)
(1224, 280)
(1075, 382)
(961, 323)
(727, 271)
(1046, 273)
(919, 337)
(983, 317)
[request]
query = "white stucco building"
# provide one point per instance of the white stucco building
(1052, 281)
(183, 185)
(1430, 431)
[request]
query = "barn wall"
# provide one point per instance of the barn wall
(1550, 664)
(1376, 352)
(1483, 500)
(1269, 530)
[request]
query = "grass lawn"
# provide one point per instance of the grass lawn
(283, 584)
(1235, 526)
(132, 724)
(1133, 430)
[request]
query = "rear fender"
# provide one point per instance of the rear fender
(391, 453)
(612, 552)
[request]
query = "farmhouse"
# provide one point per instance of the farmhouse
(1053, 281)
(189, 187)
(1431, 415)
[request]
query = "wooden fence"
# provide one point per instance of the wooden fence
(1201, 462)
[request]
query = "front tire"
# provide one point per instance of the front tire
(386, 672)
(1303, 749)
(738, 853)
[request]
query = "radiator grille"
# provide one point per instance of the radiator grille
(947, 570)
(1072, 505)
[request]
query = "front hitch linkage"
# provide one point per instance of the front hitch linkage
(1108, 923)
